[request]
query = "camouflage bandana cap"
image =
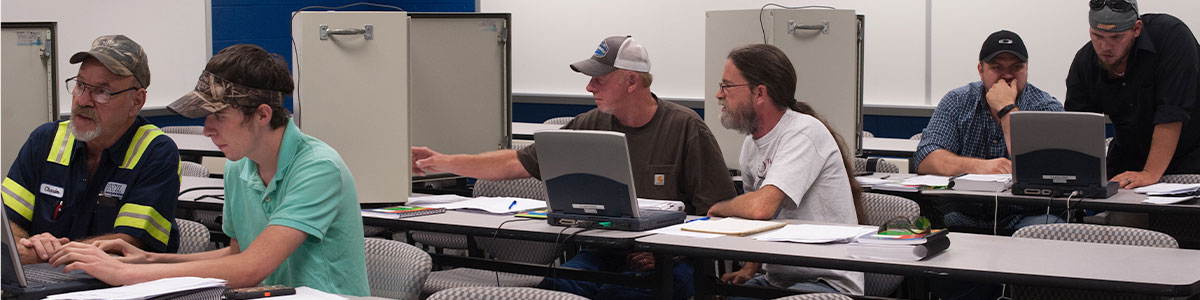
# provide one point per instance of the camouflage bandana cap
(121, 55)
(213, 93)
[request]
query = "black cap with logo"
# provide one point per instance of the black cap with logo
(1003, 41)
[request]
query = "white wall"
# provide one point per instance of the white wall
(174, 34)
(1052, 33)
(548, 35)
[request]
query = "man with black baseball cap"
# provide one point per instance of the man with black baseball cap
(1140, 71)
(104, 174)
(672, 152)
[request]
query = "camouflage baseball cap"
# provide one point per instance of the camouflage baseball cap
(213, 93)
(121, 55)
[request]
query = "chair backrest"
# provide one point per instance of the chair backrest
(916, 136)
(502, 293)
(1101, 234)
(184, 129)
(874, 165)
(1180, 178)
(193, 237)
(881, 208)
(559, 120)
(396, 270)
(187, 168)
(816, 296)
(867, 134)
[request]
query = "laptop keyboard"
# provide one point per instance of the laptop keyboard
(46, 275)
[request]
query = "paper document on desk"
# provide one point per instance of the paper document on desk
(495, 205)
(1159, 189)
(928, 180)
(866, 181)
(815, 234)
(145, 290)
(655, 204)
(1166, 200)
(677, 229)
(435, 199)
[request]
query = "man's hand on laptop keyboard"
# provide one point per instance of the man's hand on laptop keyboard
(1136, 179)
(90, 259)
(39, 248)
(127, 253)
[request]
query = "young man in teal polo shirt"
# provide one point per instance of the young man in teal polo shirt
(291, 209)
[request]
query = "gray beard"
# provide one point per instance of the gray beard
(85, 136)
(745, 121)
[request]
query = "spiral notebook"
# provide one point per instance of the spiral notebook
(401, 211)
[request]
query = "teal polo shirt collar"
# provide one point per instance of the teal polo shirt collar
(288, 147)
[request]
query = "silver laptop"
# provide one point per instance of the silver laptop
(589, 182)
(1057, 153)
(38, 280)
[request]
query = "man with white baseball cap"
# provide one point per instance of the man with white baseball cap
(672, 152)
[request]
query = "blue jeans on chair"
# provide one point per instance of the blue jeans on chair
(606, 261)
(812, 287)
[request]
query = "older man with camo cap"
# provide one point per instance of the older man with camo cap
(104, 174)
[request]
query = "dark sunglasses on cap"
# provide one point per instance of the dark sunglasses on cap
(1115, 5)
(905, 225)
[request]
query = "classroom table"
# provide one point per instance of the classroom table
(971, 257)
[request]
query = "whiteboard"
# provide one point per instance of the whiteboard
(549, 35)
(175, 35)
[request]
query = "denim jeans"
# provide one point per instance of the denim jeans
(597, 260)
(812, 286)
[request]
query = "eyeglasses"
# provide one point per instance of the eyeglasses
(1116, 5)
(99, 94)
(724, 87)
(905, 225)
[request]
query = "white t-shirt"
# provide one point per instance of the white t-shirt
(800, 157)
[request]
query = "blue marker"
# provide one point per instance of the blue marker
(510, 206)
(697, 219)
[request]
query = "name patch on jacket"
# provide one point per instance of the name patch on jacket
(114, 190)
(51, 190)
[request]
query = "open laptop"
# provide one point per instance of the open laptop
(1057, 153)
(39, 280)
(589, 182)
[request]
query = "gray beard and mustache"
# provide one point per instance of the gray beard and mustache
(85, 136)
(744, 120)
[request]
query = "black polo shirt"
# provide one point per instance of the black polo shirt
(1159, 86)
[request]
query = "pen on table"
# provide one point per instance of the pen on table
(697, 219)
(885, 176)
(510, 206)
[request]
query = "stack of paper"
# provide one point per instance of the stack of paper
(982, 182)
(865, 181)
(814, 234)
(1159, 189)
(1166, 199)
(145, 290)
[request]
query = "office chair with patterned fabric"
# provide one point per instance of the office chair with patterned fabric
(867, 134)
(187, 168)
(874, 164)
(502, 293)
(193, 237)
(396, 270)
(917, 136)
(816, 296)
(559, 121)
(1089, 233)
(1184, 228)
(880, 209)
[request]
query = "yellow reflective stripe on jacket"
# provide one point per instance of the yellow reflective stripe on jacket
(141, 140)
(144, 218)
(64, 143)
(18, 198)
